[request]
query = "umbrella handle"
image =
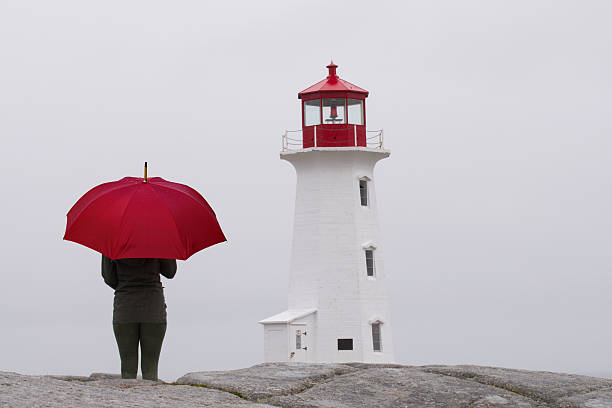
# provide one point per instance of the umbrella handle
(145, 172)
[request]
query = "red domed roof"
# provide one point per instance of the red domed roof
(332, 83)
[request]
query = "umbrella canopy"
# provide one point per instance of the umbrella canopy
(143, 218)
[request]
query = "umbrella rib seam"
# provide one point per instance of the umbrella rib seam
(188, 195)
(123, 219)
(178, 234)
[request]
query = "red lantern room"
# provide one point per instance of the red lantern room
(333, 113)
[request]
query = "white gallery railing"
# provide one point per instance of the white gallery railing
(293, 139)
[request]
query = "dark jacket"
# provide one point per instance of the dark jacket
(139, 295)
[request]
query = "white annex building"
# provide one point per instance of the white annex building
(338, 307)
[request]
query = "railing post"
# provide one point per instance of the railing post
(355, 131)
(381, 138)
(284, 143)
(315, 136)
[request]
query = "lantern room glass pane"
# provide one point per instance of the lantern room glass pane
(312, 112)
(355, 111)
(334, 110)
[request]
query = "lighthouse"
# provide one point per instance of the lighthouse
(338, 305)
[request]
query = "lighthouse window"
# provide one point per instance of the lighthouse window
(312, 112)
(333, 110)
(371, 269)
(345, 344)
(376, 336)
(363, 192)
(355, 111)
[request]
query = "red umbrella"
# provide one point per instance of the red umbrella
(143, 218)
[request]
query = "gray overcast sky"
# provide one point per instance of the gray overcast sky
(494, 205)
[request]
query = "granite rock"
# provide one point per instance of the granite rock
(556, 389)
(596, 399)
(294, 385)
(401, 387)
(18, 391)
(267, 380)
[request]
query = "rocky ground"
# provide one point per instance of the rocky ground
(316, 386)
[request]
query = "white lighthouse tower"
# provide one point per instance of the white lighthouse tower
(338, 308)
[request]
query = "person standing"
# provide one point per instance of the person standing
(139, 310)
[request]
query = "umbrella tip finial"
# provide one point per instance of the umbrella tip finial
(145, 172)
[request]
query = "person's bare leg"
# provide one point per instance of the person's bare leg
(127, 335)
(151, 339)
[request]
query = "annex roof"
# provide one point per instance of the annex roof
(288, 316)
(333, 83)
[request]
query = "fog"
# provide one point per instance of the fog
(494, 206)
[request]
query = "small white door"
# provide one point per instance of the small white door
(299, 342)
(275, 346)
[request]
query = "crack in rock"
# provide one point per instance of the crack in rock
(552, 389)
(260, 382)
